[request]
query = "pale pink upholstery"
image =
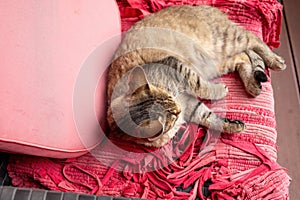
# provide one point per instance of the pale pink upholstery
(52, 52)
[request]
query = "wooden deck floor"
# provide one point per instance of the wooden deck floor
(287, 100)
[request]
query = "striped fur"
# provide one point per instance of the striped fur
(166, 60)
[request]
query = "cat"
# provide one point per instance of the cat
(165, 61)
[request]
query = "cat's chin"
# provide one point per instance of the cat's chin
(154, 137)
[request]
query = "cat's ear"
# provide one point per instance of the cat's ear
(136, 79)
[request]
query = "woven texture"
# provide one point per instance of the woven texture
(197, 162)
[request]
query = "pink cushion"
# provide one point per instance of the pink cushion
(236, 166)
(52, 55)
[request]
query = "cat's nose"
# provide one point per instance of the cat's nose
(176, 112)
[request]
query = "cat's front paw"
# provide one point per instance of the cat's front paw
(233, 126)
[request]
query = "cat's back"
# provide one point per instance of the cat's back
(177, 28)
(180, 31)
(185, 19)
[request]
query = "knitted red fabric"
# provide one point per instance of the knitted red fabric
(237, 166)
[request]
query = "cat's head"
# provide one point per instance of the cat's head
(145, 111)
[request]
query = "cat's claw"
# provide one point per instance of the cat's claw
(233, 126)
(277, 64)
(254, 88)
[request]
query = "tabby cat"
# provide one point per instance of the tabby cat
(165, 61)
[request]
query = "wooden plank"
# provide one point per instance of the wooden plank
(287, 111)
(291, 10)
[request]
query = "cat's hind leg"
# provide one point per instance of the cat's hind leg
(271, 59)
(258, 66)
(197, 112)
(251, 69)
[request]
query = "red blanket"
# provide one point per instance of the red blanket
(197, 163)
